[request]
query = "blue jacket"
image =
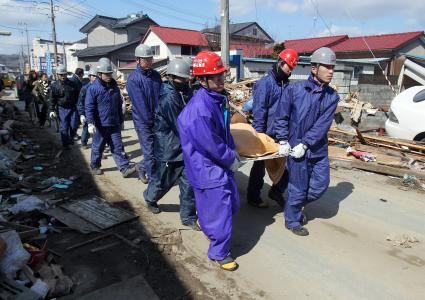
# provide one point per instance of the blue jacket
(82, 99)
(208, 147)
(104, 104)
(304, 115)
(166, 140)
(266, 94)
(143, 89)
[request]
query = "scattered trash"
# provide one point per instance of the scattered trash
(40, 288)
(15, 256)
(404, 241)
(27, 204)
(383, 200)
(38, 168)
(364, 156)
(412, 181)
(61, 186)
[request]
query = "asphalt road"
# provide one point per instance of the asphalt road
(346, 256)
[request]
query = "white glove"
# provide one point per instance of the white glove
(284, 148)
(92, 129)
(82, 119)
(236, 163)
(298, 151)
(52, 115)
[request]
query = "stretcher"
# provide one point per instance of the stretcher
(265, 157)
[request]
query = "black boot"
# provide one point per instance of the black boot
(277, 196)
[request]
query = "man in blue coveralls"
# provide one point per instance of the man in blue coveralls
(303, 118)
(63, 100)
(81, 106)
(143, 87)
(175, 94)
(266, 94)
(104, 116)
(210, 157)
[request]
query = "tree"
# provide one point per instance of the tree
(277, 49)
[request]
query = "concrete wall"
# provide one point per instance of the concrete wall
(416, 47)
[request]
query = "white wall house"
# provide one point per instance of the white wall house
(169, 42)
(64, 51)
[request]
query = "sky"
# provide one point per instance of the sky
(282, 19)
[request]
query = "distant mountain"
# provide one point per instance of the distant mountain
(10, 60)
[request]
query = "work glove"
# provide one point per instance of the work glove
(298, 151)
(236, 163)
(284, 148)
(92, 129)
(82, 119)
(52, 115)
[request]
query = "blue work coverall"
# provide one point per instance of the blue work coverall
(63, 100)
(103, 108)
(208, 154)
(81, 111)
(169, 155)
(266, 94)
(143, 88)
(304, 115)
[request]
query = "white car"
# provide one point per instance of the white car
(407, 115)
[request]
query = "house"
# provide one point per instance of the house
(42, 48)
(115, 38)
(387, 48)
(249, 37)
(170, 42)
(240, 33)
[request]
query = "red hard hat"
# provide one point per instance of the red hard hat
(290, 56)
(207, 63)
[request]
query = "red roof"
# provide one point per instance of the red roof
(178, 36)
(309, 45)
(250, 50)
(376, 42)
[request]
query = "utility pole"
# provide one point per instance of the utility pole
(21, 58)
(225, 32)
(64, 55)
(28, 46)
(55, 46)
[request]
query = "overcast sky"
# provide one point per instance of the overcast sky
(282, 19)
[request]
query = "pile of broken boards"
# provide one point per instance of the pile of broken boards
(29, 265)
(33, 209)
(393, 157)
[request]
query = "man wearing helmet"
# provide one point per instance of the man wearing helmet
(81, 106)
(174, 95)
(266, 94)
(63, 100)
(304, 116)
(210, 157)
(104, 116)
(143, 87)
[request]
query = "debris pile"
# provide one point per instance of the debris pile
(403, 240)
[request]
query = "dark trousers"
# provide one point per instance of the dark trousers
(165, 177)
(68, 119)
(256, 181)
(41, 110)
(308, 180)
(145, 135)
(111, 136)
(85, 134)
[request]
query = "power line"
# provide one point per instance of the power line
(16, 28)
(162, 13)
(320, 16)
(74, 10)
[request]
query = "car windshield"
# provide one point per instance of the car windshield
(419, 97)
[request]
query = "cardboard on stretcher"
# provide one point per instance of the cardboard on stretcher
(254, 146)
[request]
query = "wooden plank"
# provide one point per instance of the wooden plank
(99, 212)
(71, 220)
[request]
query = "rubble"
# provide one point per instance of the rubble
(403, 240)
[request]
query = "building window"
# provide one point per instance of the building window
(357, 71)
(189, 50)
(254, 31)
(155, 50)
